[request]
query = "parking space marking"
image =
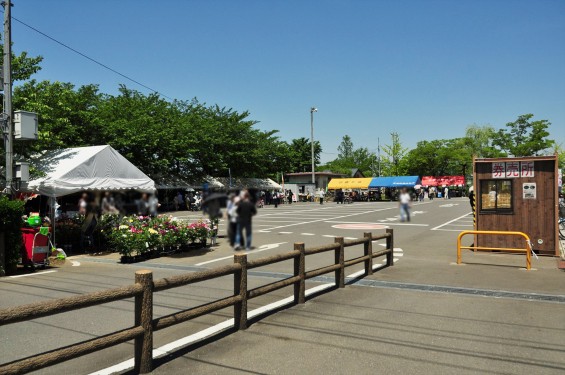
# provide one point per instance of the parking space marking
(449, 222)
(32, 274)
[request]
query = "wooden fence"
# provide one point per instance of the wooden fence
(144, 287)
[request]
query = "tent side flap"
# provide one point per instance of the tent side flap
(405, 181)
(349, 183)
(380, 182)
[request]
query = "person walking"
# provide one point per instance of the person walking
(276, 198)
(404, 202)
(446, 193)
(231, 211)
(321, 196)
(245, 211)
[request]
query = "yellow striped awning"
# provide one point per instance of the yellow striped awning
(349, 183)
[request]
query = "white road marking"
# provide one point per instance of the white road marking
(32, 274)
(449, 222)
(75, 263)
(307, 234)
(328, 235)
(260, 249)
(285, 232)
(333, 218)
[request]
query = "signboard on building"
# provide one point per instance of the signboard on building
(513, 169)
(529, 190)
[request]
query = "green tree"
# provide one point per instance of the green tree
(301, 154)
(394, 165)
(66, 116)
(478, 141)
(351, 158)
(524, 137)
(23, 66)
(345, 149)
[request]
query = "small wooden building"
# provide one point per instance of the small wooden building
(518, 194)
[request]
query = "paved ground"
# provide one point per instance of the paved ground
(424, 315)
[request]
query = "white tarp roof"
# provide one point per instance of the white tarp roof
(100, 168)
(250, 183)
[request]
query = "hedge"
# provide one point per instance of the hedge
(10, 224)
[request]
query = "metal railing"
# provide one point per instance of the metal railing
(145, 287)
(528, 249)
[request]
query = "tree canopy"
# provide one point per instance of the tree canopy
(524, 137)
(191, 139)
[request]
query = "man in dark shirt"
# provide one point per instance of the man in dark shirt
(245, 211)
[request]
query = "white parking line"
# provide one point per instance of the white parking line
(262, 248)
(449, 222)
(32, 274)
(307, 234)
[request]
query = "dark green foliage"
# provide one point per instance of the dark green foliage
(10, 224)
(524, 137)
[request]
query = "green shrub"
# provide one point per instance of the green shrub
(10, 224)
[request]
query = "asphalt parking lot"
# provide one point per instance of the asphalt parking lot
(423, 315)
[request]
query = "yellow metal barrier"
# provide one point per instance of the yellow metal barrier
(528, 248)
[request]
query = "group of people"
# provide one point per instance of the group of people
(191, 201)
(240, 211)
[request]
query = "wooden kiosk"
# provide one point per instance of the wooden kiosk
(517, 194)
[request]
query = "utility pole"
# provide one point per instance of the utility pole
(312, 110)
(7, 115)
(379, 154)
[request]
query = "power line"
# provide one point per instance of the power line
(91, 59)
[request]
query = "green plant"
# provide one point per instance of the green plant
(11, 212)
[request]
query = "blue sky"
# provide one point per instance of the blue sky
(424, 69)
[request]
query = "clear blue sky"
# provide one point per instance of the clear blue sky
(424, 69)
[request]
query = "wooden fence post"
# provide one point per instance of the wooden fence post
(340, 259)
(240, 288)
(390, 245)
(368, 250)
(299, 270)
(144, 317)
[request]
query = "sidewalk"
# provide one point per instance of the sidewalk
(398, 327)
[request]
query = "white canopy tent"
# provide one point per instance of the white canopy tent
(94, 168)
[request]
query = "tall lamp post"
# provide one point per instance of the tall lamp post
(312, 110)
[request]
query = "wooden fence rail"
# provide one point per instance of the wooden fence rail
(145, 287)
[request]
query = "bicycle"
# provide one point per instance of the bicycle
(562, 221)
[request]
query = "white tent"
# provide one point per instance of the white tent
(94, 168)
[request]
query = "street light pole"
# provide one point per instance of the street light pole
(312, 110)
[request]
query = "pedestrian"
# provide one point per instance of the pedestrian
(245, 211)
(143, 205)
(83, 204)
(108, 205)
(152, 205)
(276, 198)
(404, 202)
(231, 212)
(446, 193)
(321, 196)
(290, 197)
